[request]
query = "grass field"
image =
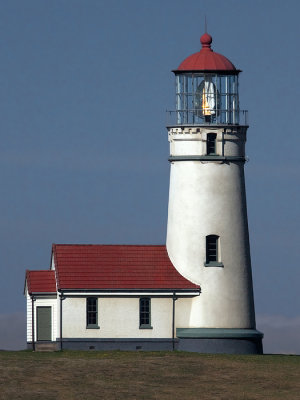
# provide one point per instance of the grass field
(147, 375)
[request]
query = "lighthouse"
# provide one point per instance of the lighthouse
(207, 232)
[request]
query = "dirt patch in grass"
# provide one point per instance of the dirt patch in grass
(147, 375)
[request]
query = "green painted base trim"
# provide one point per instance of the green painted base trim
(218, 333)
(207, 158)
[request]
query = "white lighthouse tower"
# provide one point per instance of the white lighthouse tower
(207, 234)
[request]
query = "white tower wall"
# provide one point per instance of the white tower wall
(207, 197)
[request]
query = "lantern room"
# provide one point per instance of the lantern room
(207, 89)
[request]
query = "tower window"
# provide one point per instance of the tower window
(211, 143)
(145, 313)
(92, 312)
(213, 251)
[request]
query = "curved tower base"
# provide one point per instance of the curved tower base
(229, 341)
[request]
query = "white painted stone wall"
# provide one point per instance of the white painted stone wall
(207, 198)
(183, 312)
(117, 318)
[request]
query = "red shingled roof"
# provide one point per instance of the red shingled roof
(41, 281)
(116, 267)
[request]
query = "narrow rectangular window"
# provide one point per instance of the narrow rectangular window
(211, 143)
(213, 251)
(211, 248)
(145, 313)
(92, 312)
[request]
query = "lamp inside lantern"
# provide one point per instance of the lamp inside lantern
(205, 102)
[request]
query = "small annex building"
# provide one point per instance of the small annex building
(105, 297)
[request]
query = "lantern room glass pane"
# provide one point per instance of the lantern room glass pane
(207, 98)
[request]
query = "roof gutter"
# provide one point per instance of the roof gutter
(43, 293)
(132, 292)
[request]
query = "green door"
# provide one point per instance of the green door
(43, 315)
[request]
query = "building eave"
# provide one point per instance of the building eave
(131, 292)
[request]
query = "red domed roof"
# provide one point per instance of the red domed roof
(207, 60)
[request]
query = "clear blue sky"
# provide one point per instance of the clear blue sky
(84, 85)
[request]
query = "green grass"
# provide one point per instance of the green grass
(147, 375)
